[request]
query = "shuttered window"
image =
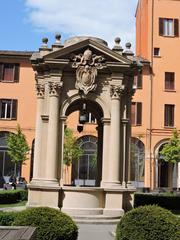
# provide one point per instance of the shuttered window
(8, 109)
(169, 81)
(9, 72)
(168, 27)
(169, 115)
(136, 113)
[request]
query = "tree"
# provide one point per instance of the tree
(72, 150)
(171, 150)
(17, 147)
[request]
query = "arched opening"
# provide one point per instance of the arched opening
(137, 159)
(166, 171)
(7, 167)
(87, 171)
(84, 171)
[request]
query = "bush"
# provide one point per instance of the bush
(7, 218)
(12, 196)
(170, 202)
(148, 223)
(51, 224)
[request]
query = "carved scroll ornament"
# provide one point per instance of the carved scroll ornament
(54, 88)
(40, 89)
(87, 65)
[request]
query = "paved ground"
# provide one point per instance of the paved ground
(96, 231)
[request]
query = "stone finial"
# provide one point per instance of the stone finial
(44, 42)
(58, 38)
(128, 52)
(57, 43)
(117, 47)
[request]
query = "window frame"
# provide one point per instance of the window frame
(175, 27)
(169, 120)
(137, 114)
(169, 79)
(13, 109)
(15, 74)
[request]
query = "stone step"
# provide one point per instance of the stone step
(96, 219)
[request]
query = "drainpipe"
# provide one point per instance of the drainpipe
(151, 93)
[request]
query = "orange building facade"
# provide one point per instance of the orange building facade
(155, 105)
(158, 41)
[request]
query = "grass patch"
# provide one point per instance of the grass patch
(19, 204)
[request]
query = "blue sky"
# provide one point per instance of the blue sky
(23, 23)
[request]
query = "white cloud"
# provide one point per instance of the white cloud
(106, 19)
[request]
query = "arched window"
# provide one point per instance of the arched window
(137, 162)
(6, 166)
(85, 169)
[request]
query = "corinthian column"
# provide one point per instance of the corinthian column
(53, 133)
(40, 88)
(114, 153)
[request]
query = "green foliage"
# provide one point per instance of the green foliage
(51, 224)
(168, 201)
(148, 223)
(72, 151)
(17, 146)
(171, 150)
(12, 196)
(7, 218)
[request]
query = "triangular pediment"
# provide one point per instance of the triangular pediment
(79, 48)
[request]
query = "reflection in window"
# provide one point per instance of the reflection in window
(84, 170)
(6, 166)
(137, 162)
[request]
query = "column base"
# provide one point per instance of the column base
(43, 195)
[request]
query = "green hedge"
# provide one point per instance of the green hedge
(12, 196)
(170, 202)
(7, 218)
(148, 223)
(51, 224)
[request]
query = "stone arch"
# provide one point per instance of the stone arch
(91, 97)
(165, 173)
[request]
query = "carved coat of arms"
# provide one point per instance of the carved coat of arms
(87, 65)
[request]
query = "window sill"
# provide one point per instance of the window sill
(169, 90)
(156, 56)
(7, 119)
(169, 36)
(169, 127)
(4, 81)
(136, 125)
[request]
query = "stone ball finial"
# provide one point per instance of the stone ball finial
(58, 37)
(117, 40)
(128, 45)
(45, 40)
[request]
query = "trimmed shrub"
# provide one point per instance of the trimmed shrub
(148, 223)
(170, 202)
(7, 218)
(12, 196)
(51, 224)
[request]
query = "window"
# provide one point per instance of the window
(136, 113)
(138, 80)
(7, 167)
(169, 115)
(168, 27)
(157, 52)
(84, 171)
(9, 72)
(169, 81)
(8, 109)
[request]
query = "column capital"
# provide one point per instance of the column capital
(40, 90)
(116, 91)
(54, 88)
